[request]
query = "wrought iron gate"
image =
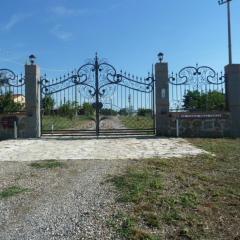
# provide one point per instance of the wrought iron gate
(198, 88)
(95, 100)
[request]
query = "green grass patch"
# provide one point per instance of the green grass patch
(134, 184)
(189, 197)
(12, 191)
(189, 200)
(49, 164)
(64, 123)
(137, 122)
(128, 228)
(151, 219)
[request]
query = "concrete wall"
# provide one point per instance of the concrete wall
(200, 127)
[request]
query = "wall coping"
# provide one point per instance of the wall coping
(13, 114)
(199, 115)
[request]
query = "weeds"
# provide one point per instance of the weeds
(12, 191)
(49, 164)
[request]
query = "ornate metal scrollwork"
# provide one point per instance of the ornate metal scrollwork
(144, 85)
(197, 76)
(97, 78)
(9, 78)
(57, 85)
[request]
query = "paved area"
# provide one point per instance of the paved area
(108, 149)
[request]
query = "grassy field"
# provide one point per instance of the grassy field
(80, 122)
(137, 122)
(63, 123)
(192, 198)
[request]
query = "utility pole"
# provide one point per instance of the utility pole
(228, 2)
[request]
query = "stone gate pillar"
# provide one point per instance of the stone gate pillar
(162, 97)
(32, 95)
(232, 73)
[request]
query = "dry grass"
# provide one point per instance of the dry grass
(187, 198)
(137, 122)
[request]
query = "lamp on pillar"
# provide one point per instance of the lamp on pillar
(161, 97)
(160, 57)
(33, 99)
(221, 2)
(32, 59)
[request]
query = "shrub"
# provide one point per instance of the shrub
(48, 104)
(108, 112)
(88, 109)
(7, 103)
(123, 112)
(68, 109)
(144, 112)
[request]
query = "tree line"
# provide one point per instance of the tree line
(192, 101)
(71, 109)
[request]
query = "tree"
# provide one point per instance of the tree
(144, 112)
(7, 103)
(210, 101)
(108, 112)
(123, 112)
(48, 104)
(88, 109)
(68, 109)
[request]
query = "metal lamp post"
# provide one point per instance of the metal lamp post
(32, 59)
(221, 2)
(160, 57)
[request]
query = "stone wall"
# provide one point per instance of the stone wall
(200, 125)
(7, 125)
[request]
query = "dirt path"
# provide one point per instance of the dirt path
(112, 123)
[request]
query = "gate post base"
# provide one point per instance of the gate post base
(162, 99)
(232, 94)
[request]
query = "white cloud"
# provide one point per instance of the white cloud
(66, 12)
(63, 11)
(13, 21)
(58, 32)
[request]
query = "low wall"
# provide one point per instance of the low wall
(7, 125)
(200, 124)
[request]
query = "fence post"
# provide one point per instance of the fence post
(232, 73)
(15, 129)
(32, 92)
(162, 98)
(177, 127)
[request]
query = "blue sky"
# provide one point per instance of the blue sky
(128, 33)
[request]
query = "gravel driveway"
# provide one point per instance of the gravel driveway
(74, 201)
(67, 203)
